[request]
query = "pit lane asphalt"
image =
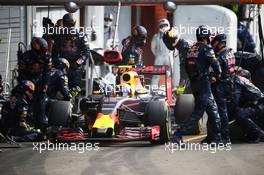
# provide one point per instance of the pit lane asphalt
(132, 159)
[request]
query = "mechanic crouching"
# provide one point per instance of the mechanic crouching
(199, 58)
(248, 100)
(221, 87)
(71, 46)
(132, 50)
(58, 88)
(16, 114)
(59, 81)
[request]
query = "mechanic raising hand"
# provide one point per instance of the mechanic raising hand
(199, 58)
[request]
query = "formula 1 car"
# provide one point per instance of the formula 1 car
(129, 111)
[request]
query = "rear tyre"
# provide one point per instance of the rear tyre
(157, 113)
(236, 133)
(183, 108)
(258, 78)
(60, 113)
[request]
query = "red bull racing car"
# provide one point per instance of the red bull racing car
(131, 110)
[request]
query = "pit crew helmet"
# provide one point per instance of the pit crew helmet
(39, 45)
(164, 22)
(108, 17)
(27, 88)
(139, 32)
(62, 64)
(217, 40)
(203, 32)
(69, 20)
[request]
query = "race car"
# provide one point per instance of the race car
(129, 111)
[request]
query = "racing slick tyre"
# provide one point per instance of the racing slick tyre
(236, 133)
(258, 78)
(249, 61)
(60, 113)
(157, 113)
(183, 108)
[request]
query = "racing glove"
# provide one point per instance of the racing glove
(180, 90)
(75, 91)
(23, 124)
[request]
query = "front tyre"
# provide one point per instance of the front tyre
(60, 113)
(157, 113)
